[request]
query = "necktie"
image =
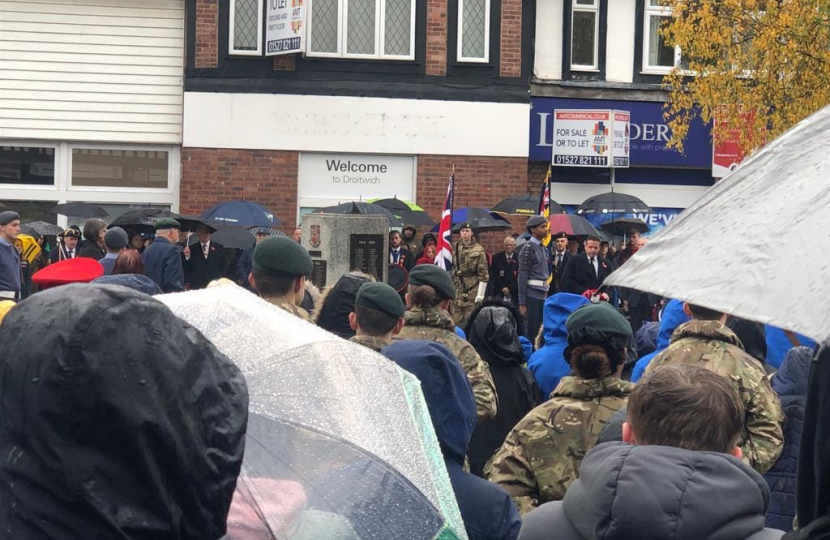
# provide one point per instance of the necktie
(71, 253)
(593, 267)
(205, 250)
(558, 259)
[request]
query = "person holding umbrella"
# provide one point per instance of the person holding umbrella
(9, 257)
(471, 272)
(202, 268)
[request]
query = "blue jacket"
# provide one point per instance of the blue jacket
(778, 344)
(163, 264)
(548, 364)
(790, 383)
(673, 316)
(108, 263)
(487, 510)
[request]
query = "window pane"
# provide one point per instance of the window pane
(32, 210)
(324, 26)
(659, 52)
(27, 165)
(582, 41)
(119, 168)
(474, 19)
(245, 24)
(586, 2)
(361, 27)
(397, 28)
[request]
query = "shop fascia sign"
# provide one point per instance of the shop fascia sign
(352, 177)
(284, 26)
(591, 138)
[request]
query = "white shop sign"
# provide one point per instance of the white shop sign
(355, 177)
(591, 138)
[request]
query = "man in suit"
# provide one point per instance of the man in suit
(398, 254)
(559, 257)
(504, 273)
(585, 271)
(203, 263)
(68, 247)
(637, 304)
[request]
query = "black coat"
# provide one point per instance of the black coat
(59, 253)
(90, 250)
(579, 276)
(504, 273)
(198, 270)
(163, 264)
(560, 269)
(405, 259)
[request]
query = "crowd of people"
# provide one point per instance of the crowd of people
(563, 409)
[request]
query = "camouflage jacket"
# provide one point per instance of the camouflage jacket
(293, 309)
(712, 345)
(436, 325)
(541, 456)
(469, 268)
(372, 342)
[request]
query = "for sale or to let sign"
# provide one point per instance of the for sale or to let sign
(591, 138)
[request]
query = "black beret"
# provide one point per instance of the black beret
(8, 216)
(535, 221)
(167, 223)
(560, 234)
(435, 277)
(380, 296)
(465, 225)
(281, 256)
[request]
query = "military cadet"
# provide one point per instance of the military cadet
(280, 266)
(542, 455)
(10, 281)
(162, 260)
(377, 316)
(707, 342)
(534, 271)
(471, 272)
(430, 295)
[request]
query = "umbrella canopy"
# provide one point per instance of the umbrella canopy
(42, 228)
(409, 212)
(229, 236)
(242, 214)
(572, 225)
(524, 205)
(79, 210)
(613, 203)
(362, 208)
(480, 218)
(752, 245)
(621, 226)
(144, 219)
(339, 439)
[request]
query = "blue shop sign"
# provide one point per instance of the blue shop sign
(649, 132)
(657, 220)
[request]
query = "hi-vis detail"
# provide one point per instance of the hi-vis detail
(284, 27)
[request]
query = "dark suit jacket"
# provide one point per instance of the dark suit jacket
(579, 276)
(198, 270)
(504, 274)
(405, 259)
(54, 254)
(558, 271)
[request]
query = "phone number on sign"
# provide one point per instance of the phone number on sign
(592, 161)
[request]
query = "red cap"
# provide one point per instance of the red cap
(77, 270)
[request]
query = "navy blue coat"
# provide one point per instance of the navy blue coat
(163, 264)
(487, 510)
(791, 385)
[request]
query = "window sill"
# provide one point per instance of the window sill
(584, 70)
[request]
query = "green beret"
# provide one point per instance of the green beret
(599, 318)
(435, 277)
(167, 223)
(380, 296)
(281, 256)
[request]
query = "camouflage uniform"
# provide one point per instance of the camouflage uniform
(293, 309)
(711, 345)
(469, 268)
(372, 342)
(436, 325)
(541, 456)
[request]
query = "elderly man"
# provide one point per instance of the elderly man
(162, 262)
(67, 248)
(504, 273)
(204, 260)
(9, 256)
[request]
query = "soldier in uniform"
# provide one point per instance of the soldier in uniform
(430, 294)
(542, 455)
(471, 272)
(377, 316)
(280, 266)
(707, 342)
(534, 271)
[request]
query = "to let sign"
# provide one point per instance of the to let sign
(284, 27)
(591, 138)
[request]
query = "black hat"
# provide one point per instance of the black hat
(281, 256)
(535, 221)
(465, 225)
(167, 223)
(558, 235)
(8, 216)
(381, 297)
(72, 232)
(435, 277)
(116, 238)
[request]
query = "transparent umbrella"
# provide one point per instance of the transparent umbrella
(339, 444)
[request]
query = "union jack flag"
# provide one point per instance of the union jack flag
(443, 255)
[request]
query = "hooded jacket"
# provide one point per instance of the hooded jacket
(333, 307)
(656, 493)
(493, 332)
(548, 364)
(486, 509)
(673, 316)
(121, 422)
(790, 382)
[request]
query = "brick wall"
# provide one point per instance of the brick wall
(207, 33)
(510, 63)
(267, 177)
(436, 61)
(285, 62)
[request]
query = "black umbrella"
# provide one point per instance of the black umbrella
(362, 208)
(144, 219)
(42, 228)
(613, 203)
(229, 236)
(79, 210)
(410, 213)
(481, 219)
(524, 205)
(621, 226)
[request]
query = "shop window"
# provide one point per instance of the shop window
(368, 29)
(473, 30)
(659, 57)
(245, 27)
(585, 35)
(27, 165)
(120, 168)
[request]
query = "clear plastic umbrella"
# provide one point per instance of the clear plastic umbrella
(339, 446)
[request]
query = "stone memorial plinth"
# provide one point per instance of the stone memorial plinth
(340, 243)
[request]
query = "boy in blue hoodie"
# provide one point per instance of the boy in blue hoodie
(673, 316)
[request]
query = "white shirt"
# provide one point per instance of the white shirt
(206, 248)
